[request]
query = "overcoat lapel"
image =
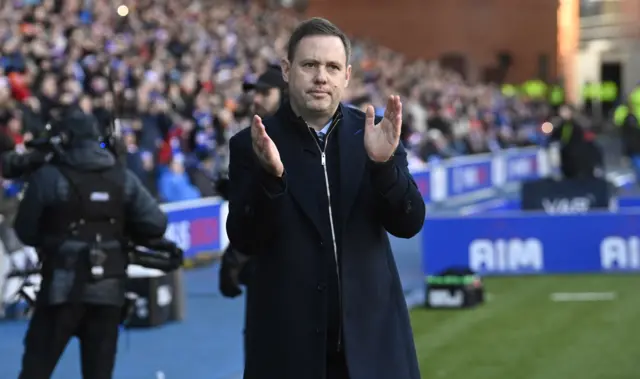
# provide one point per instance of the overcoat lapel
(299, 154)
(353, 159)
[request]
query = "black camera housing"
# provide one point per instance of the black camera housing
(16, 165)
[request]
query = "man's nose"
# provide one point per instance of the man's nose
(321, 75)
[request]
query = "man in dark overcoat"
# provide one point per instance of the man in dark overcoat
(314, 190)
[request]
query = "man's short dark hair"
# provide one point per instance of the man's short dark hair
(316, 27)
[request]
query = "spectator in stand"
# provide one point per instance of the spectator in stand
(174, 183)
(269, 91)
(436, 147)
(176, 68)
(439, 122)
(14, 130)
(134, 155)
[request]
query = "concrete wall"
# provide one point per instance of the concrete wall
(611, 37)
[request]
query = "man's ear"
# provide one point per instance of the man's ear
(286, 68)
(348, 76)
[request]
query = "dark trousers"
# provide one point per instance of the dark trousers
(337, 366)
(51, 328)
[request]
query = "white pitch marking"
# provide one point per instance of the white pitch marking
(583, 296)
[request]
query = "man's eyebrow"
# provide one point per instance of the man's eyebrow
(316, 61)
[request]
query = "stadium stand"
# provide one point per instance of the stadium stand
(172, 72)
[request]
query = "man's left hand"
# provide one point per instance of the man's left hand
(381, 140)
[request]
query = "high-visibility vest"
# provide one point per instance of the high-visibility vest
(634, 98)
(591, 91)
(620, 114)
(566, 133)
(509, 90)
(609, 91)
(535, 89)
(556, 96)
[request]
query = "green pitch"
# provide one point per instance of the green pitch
(521, 333)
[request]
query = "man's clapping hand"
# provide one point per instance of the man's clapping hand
(381, 140)
(265, 149)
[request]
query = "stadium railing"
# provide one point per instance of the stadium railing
(571, 238)
(198, 226)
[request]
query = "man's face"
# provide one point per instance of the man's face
(565, 113)
(86, 104)
(49, 86)
(15, 125)
(266, 102)
(318, 74)
(177, 167)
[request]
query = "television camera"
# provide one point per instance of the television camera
(16, 164)
(53, 143)
(161, 254)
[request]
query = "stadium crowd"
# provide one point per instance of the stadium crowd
(172, 73)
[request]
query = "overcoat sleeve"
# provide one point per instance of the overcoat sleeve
(401, 208)
(254, 196)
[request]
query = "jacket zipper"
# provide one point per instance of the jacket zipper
(323, 161)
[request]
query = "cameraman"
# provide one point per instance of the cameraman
(79, 210)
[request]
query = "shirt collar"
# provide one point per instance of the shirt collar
(326, 128)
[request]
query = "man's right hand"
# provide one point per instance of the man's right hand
(265, 149)
(231, 265)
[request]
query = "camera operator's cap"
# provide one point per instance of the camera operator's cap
(272, 78)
